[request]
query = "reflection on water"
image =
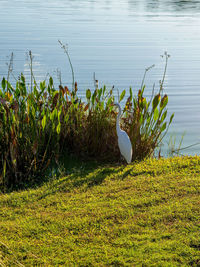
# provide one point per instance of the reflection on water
(186, 6)
(117, 40)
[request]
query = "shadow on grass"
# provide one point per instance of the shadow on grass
(69, 166)
(77, 173)
(71, 172)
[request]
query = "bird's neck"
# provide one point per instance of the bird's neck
(118, 121)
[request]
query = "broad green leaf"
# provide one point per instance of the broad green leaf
(59, 113)
(58, 128)
(23, 78)
(148, 119)
(42, 86)
(143, 89)
(122, 95)
(88, 94)
(141, 118)
(156, 101)
(135, 103)
(144, 101)
(163, 127)
(171, 118)
(3, 83)
(99, 93)
(17, 93)
(55, 113)
(33, 111)
(51, 116)
(131, 93)
(164, 101)
(94, 97)
(66, 118)
(35, 91)
(109, 101)
(156, 114)
(163, 116)
(44, 121)
(51, 82)
(9, 86)
(104, 89)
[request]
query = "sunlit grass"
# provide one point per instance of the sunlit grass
(143, 214)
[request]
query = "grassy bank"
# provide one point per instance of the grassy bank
(142, 214)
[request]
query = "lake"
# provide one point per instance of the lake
(115, 39)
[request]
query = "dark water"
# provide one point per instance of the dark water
(117, 40)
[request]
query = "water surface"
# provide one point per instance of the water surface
(117, 40)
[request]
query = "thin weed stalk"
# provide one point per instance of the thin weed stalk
(146, 70)
(31, 68)
(65, 48)
(10, 68)
(166, 56)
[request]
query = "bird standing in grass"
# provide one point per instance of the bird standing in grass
(124, 142)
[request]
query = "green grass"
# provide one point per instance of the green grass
(143, 214)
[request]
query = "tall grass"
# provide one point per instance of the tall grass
(38, 125)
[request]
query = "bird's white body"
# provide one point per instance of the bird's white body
(124, 142)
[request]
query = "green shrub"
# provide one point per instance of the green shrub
(27, 137)
(38, 126)
(145, 122)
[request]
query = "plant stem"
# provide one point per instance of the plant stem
(146, 70)
(31, 68)
(67, 53)
(10, 68)
(165, 70)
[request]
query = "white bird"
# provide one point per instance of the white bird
(124, 142)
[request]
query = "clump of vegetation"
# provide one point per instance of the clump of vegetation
(42, 123)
